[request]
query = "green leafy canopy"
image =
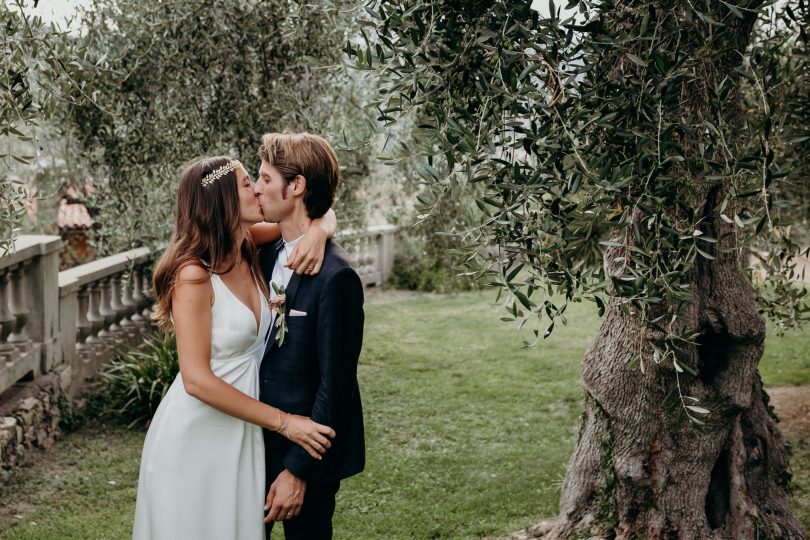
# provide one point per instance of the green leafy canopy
(188, 78)
(37, 79)
(602, 140)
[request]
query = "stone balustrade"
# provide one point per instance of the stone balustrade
(29, 300)
(57, 329)
(103, 306)
(371, 251)
(73, 321)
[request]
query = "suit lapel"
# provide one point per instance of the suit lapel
(267, 260)
(289, 292)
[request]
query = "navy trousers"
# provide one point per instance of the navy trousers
(315, 520)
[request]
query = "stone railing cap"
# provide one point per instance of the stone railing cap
(29, 246)
(368, 231)
(73, 278)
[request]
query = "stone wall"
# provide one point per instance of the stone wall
(29, 419)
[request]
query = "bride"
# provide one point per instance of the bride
(202, 469)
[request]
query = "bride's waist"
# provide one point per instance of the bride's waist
(249, 354)
(232, 369)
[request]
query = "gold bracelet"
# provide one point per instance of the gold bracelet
(286, 424)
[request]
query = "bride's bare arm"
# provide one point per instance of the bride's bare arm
(191, 311)
(308, 253)
(264, 233)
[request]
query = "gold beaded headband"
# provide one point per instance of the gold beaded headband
(219, 172)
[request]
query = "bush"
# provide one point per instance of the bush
(71, 416)
(418, 268)
(427, 278)
(133, 384)
(429, 254)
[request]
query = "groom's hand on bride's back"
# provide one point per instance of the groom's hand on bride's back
(285, 497)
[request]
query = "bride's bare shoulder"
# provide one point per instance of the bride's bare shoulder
(193, 284)
(192, 272)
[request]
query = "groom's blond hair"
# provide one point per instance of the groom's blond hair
(312, 157)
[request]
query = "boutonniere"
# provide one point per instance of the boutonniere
(277, 303)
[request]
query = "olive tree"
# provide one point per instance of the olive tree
(38, 61)
(635, 155)
(179, 79)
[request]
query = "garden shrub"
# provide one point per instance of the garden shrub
(418, 268)
(133, 384)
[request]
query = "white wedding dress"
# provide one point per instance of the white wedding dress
(202, 471)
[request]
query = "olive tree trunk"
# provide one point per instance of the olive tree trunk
(637, 471)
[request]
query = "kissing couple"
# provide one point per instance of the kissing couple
(264, 419)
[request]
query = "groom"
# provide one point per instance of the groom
(310, 361)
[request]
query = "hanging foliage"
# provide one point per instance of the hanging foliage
(186, 78)
(39, 62)
(603, 131)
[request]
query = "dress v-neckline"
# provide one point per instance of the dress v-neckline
(257, 320)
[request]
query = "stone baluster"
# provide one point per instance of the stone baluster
(7, 321)
(368, 250)
(94, 317)
(357, 252)
(365, 258)
(117, 308)
(373, 252)
(19, 336)
(363, 249)
(387, 251)
(146, 287)
(107, 314)
(84, 326)
(379, 258)
(137, 299)
(128, 304)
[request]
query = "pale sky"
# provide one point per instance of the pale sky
(60, 10)
(541, 6)
(52, 10)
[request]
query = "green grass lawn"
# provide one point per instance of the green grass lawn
(786, 360)
(468, 433)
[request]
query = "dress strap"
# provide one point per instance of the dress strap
(216, 284)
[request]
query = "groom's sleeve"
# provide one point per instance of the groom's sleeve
(339, 339)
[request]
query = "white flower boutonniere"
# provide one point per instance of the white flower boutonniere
(277, 303)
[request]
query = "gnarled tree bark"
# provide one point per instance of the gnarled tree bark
(636, 471)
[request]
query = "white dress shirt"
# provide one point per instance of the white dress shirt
(282, 274)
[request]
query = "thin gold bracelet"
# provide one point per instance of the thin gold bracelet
(286, 424)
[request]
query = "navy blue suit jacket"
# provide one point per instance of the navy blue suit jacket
(314, 372)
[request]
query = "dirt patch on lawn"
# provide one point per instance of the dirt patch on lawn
(792, 405)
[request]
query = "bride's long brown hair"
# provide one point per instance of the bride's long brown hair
(206, 231)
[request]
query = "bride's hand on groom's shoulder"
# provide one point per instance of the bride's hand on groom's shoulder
(312, 436)
(307, 255)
